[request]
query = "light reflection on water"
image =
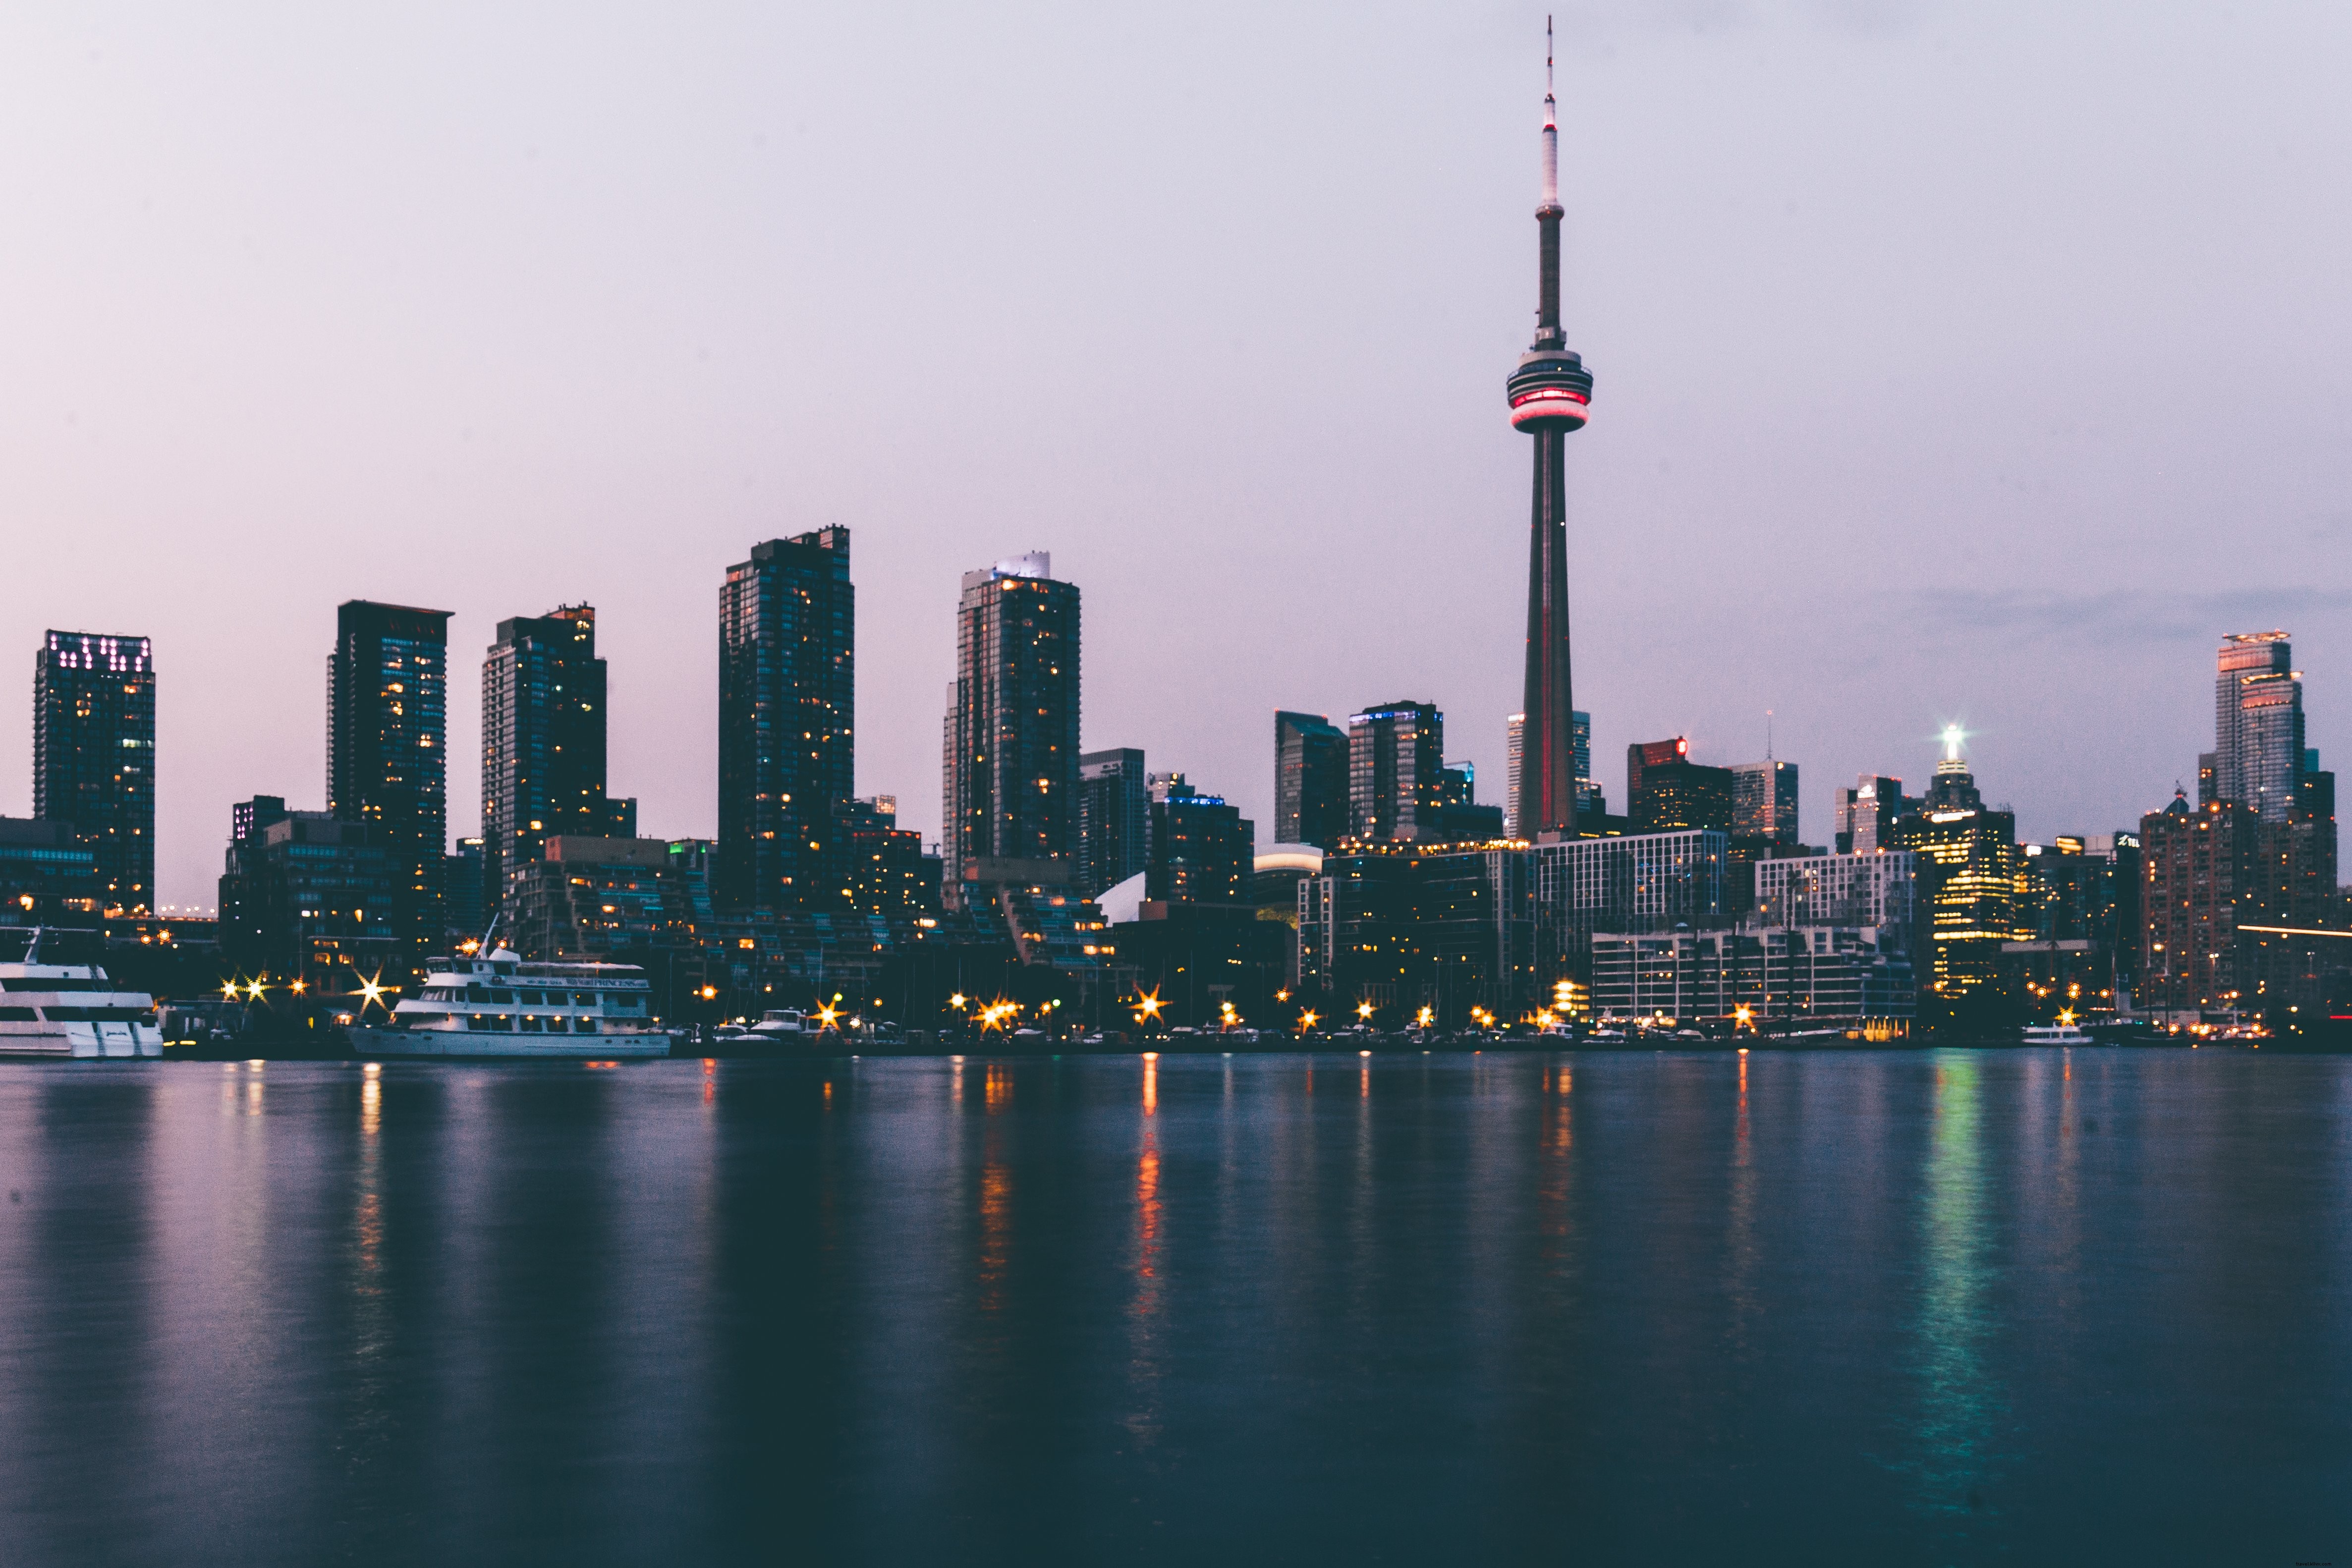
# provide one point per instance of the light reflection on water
(1954, 1461)
(1908, 1306)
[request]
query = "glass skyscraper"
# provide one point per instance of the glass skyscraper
(94, 756)
(1114, 818)
(2258, 724)
(1009, 762)
(543, 727)
(787, 714)
(387, 750)
(1310, 780)
(1396, 768)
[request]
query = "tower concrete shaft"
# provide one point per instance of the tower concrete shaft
(1550, 394)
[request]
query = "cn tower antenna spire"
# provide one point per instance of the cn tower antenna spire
(1550, 131)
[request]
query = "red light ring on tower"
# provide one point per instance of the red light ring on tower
(1546, 403)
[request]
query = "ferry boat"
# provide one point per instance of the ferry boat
(72, 1010)
(496, 1004)
(2057, 1034)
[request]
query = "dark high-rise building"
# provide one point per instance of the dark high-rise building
(544, 744)
(1114, 818)
(1310, 780)
(94, 756)
(787, 716)
(1203, 851)
(387, 750)
(310, 896)
(463, 887)
(1666, 792)
(1010, 768)
(1764, 803)
(884, 870)
(1396, 765)
(2200, 870)
(1550, 394)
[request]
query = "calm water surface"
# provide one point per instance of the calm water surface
(1902, 1307)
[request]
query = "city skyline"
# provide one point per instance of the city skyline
(2077, 669)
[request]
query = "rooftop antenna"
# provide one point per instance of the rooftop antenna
(1768, 734)
(1550, 129)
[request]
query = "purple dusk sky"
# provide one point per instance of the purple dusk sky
(1980, 363)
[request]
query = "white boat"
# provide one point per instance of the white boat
(72, 1010)
(2055, 1035)
(496, 1005)
(781, 1026)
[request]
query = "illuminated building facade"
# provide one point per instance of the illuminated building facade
(1795, 975)
(1970, 856)
(1874, 890)
(2200, 869)
(47, 875)
(1864, 816)
(1457, 817)
(2258, 724)
(94, 756)
(1404, 927)
(884, 869)
(1010, 772)
(787, 721)
(1634, 883)
(1666, 792)
(1310, 780)
(1114, 818)
(543, 720)
(387, 751)
(314, 897)
(1764, 803)
(1202, 850)
(590, 896)
(1549, 394)
(1396, 764)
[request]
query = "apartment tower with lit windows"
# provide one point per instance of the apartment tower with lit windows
(787, 716)
(387, 751)
(94, 756)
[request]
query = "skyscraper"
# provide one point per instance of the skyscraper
(1764, 803)
(1666, 792)
(543, 742)
(787, 718)
(1548, 392)
(2258, 724)
(1114, 818)
(1971, 856)
(1396, 766)
(387, 750)
(1515, 735)
(1010, 768)
(1865, 813)
(1310, 780)
(94, 756)
(1201, 848)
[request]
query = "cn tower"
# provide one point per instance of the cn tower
(1549, 392)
